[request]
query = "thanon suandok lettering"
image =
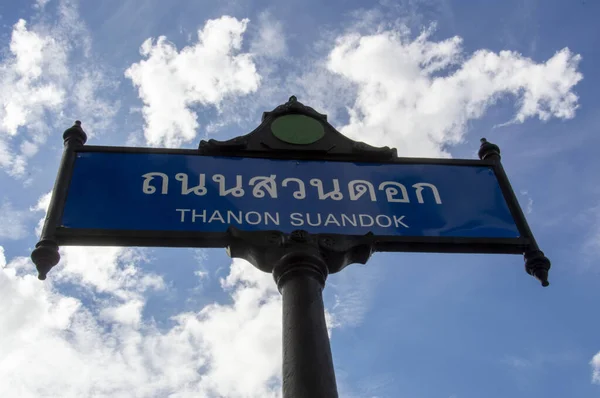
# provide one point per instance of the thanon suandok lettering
(296, 219)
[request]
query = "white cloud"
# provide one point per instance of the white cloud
(590, 219)
(128, 313)
(5, 154)
(269, 40)
(418, 95)
(41, 205)
(40, 4)
(171, 82)
(12, 222)
(110, 270)
(244, 336)
(47, 77)
(25, 92)
(539, 360)
(231, 350)
(518, 363)
(529, 206)
(353, 290)
(56, 345)
(596, 368)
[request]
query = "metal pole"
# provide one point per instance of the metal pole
(45, 255)
(307, 361)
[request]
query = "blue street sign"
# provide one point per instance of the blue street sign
(183, 192)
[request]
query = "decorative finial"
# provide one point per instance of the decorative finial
(487, 150)
(296, 107)
(45, 256)
(75, 133)
(538, 265)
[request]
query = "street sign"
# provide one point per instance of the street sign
(164, 191)
(293, 183)
(295, 198)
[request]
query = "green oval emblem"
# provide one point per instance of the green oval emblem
(297, 129)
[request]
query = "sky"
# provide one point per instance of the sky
(428, 77)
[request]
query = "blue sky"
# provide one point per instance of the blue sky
(427, 77)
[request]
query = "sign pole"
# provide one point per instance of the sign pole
(307, 362)
(300, 263)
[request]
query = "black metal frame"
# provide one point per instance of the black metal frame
(261, 143)
(102, 237)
